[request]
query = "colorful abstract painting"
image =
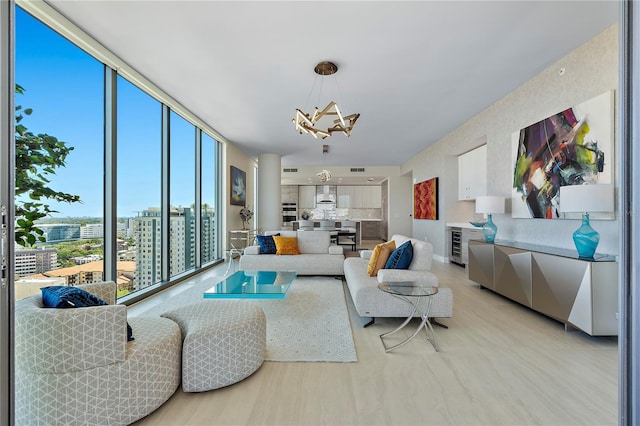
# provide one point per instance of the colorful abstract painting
(571, 147)
(425, 199)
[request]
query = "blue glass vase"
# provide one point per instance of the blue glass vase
(586, 239)
(490, 230)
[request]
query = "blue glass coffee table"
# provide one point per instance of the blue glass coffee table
(253, 285)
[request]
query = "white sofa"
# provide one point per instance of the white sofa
(318, 256)
(370, 301)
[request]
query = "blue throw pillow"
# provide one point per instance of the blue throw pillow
(267, 244)
(401, 257)
(73, 297)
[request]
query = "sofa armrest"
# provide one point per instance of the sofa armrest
(391, 275)
(366, 254)
(105, 290)
(336, 250)
(49, 340)
(252, 250)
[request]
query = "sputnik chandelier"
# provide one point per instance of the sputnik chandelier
(322, 123)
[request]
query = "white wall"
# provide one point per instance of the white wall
(590, 70)
(232, 156)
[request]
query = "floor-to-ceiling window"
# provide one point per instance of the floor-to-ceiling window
(139, 188)
(59, 159)
(209, 191)
(182, 142)
(60, 184)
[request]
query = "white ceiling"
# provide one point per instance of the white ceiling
(414, 70)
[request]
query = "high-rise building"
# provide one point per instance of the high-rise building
(92, 230)
(58, 232)
(29, 262)
(149, 249)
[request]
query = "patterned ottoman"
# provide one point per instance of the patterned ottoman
(224, 341)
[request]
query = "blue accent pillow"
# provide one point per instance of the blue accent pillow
(73, 297)
(401, 257)
(267, 244)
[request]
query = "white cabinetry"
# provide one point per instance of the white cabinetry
(289, 193)
(359, 196)
(345, 194)
(306, 197)
(472, 174)
(469, 234)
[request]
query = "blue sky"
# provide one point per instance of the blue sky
(63, 86)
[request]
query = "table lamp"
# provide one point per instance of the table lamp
(489, 205)
(585, 199)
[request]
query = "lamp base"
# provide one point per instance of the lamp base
(586, 239)
(490, 230)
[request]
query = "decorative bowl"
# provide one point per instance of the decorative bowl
(478, 224)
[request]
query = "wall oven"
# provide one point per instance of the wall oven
(289, 214)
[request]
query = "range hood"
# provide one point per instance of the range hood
(326, 194)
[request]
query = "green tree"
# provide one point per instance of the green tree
(37, 158)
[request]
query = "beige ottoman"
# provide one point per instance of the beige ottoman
(224, 341)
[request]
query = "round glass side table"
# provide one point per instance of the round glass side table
(413, 293)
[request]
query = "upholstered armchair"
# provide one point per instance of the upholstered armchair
(75, 366)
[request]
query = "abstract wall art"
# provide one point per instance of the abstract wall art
(238, 187)
(425, 199)
(572, 147)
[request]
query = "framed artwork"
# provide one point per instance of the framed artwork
(425, 199)
(238, 187)
(572, 147)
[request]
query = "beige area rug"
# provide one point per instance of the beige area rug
(310, 325)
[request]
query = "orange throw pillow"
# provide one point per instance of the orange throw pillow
(379, 257)
(286, 245)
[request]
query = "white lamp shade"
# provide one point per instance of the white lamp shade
(489, 204)
(586, 198)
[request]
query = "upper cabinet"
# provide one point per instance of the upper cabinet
(306, 197)
(472, 174)
(289, 193)
(345, 195)
(359, 197)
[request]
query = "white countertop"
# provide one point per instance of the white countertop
(462, 225)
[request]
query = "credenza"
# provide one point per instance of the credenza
(555, 282)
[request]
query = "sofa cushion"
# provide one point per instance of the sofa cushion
(63, 296)
(267, 244)
(286, 245)
(379, 257)
(314, 242)
(401, 257)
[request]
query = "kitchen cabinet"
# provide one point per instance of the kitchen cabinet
(345, 195)
(306, 197)
(289, 193)
(469, 234)
(370, 230)
(360, 196)
(472, 174)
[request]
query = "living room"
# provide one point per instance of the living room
(499, 362)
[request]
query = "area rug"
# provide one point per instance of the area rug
(310, 325)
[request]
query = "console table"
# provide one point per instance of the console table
(555, 282)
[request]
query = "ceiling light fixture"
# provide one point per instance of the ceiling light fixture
(324, 175)
(325, 122)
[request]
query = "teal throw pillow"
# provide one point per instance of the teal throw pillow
(267, 244)
(401, 257)
(62, 296)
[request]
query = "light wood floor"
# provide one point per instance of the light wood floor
(499, 364)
